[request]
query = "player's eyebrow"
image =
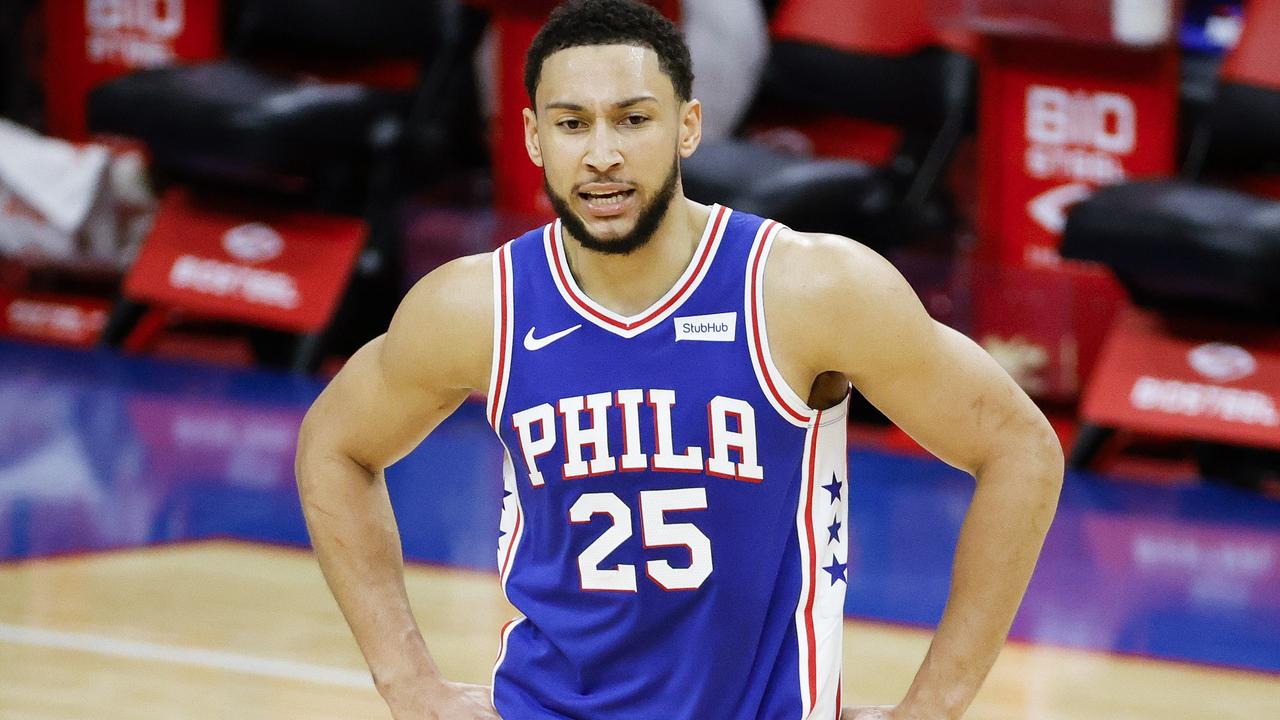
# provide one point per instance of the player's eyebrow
(634, 101)
(574, 107)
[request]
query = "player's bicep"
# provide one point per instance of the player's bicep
(398, 387)
(933, 382)
(373, 414)
(950, 396)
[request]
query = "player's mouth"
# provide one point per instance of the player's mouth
(607, 201)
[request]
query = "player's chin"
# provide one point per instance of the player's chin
(612, 229)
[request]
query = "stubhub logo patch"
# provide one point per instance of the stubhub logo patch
(716, 327)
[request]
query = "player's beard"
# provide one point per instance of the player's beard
(647, 220)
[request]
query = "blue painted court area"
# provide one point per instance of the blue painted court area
(99, 451)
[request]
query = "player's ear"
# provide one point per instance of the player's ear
(531, 144)
(690, 127)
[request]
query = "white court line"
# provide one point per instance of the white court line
(177, 655)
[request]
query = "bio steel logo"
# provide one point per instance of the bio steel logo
(135, 33)
(253, 243)
(1077, 138)
(1222, 362)
(1075, 135)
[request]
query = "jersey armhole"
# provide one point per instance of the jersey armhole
(781, 396)
(503, 321)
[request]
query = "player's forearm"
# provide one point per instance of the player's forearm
(999, 543)
(357, 543)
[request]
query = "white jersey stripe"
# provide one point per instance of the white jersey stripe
(783, 399)
(503, 320)
(628, 327)
(511, 524)
(504, 637)
(804, 609)
(819, 609)
(829, 496)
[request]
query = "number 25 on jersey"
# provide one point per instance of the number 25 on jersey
(655, 532)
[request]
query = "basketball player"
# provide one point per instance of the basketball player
(670, 382)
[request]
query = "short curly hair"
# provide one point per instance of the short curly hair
(611, 22)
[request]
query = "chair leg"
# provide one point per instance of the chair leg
(1087, 444)
(121, 321)
(308, 353)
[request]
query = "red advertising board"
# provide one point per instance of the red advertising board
(60, 319)
(1211, 382)
(1058, 121)
(256, 264)
(91, 41)
(1044, 325)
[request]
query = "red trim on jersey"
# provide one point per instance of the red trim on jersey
(500, 388)
(813, 563)
(502, 641)
(756, 339)
(839, 688)
(515, 536)
(704, 254)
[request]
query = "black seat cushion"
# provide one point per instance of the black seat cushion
(916, 90)
(1183, 246)
(1246, 133)
(340, 28)
(228, 115)
(807, 194)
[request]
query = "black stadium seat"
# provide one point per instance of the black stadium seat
(1205, 247)
(328, 105)
(832, 195)
(926, 93)
(229, 116)
(1183, 246)
(18, 93)
(263, 112)
(1200, 244)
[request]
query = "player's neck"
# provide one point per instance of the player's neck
(627, 284)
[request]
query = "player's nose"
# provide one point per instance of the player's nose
(603, 153)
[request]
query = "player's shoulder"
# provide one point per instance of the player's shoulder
(446, 319)
(461, 288)
(836, 303)
(824, 268)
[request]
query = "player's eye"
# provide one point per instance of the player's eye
(571, 124)
(634, 120)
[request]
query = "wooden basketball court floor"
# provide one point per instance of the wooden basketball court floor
(152, 565)
(237, 630)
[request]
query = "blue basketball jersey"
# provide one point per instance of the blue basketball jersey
(673, 529)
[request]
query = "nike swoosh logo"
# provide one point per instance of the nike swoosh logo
(532, 343)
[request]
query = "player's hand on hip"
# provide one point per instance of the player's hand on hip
(446, 701)
(877, 712)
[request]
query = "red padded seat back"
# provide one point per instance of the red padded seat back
(540, 8)
(1256, 59)
(872, 27)
(1246, 110)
